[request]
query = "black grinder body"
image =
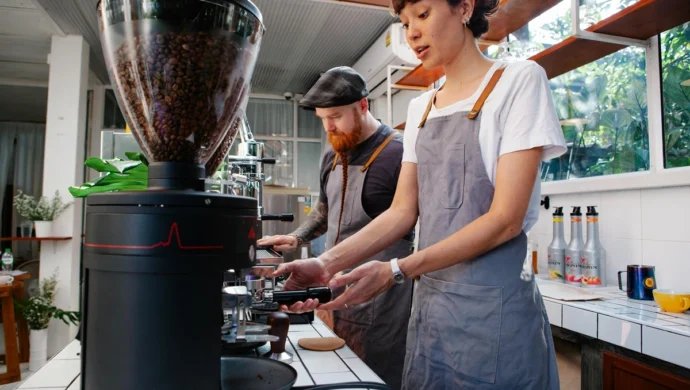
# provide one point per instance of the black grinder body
(153, 273)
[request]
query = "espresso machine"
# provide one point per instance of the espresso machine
(154, 297)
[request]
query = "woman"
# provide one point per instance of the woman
(472, 151)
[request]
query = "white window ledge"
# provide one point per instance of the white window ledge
(673, 177)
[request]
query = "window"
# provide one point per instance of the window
(112, 116)
(675, 63)
(602, 107)
(309, 125)
(271, 117)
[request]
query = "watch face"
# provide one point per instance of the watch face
(398, 278)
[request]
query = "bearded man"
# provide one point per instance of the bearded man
(359, 174)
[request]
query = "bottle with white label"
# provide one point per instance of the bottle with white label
(593, 254)
(556, 250)
(573, 253)
(7, 261)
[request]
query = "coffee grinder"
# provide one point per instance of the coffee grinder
(154, 260)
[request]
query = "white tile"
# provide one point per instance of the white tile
(346, 353)
(646, 318)
(339, 377)
(637, 305)
(666, 346)
(289, 348)
(71, 351)
(619, 254)
(295, 337)
(671, 261)
(611, 307)
(322, 362)
(579, 320)
(665, 214)
(76, 385)
(324, 330)
(301, 328)
(363, 372)
(682, 329)
(303, 378)
(55, 373)
(554, 312)
(620, 215)
(618, 332)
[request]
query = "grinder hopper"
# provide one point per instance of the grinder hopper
(154, 260)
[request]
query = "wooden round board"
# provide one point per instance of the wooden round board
(321, 343)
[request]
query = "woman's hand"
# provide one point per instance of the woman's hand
(364, 283)
(303, 274)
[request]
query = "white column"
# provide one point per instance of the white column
(63, 167)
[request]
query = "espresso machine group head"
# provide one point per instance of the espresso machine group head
(154, 260)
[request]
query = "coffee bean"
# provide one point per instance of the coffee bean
(170, 88)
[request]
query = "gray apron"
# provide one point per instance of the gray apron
(476, 324)
(376, 330)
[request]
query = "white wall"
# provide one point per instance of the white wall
(648, 226)
(400, 102)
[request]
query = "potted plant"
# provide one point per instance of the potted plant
(41, 212)
(38, 310)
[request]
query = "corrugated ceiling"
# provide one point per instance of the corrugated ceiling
(303, 38)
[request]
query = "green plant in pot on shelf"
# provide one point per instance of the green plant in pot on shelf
(38, 310)
(41, 212)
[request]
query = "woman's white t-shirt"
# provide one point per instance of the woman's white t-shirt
(519, 114)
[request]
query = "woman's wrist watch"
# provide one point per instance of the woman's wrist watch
(398, 275)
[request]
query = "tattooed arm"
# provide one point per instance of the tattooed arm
(313, 228)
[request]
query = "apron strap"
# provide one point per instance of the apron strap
(477, 106)
(377, 151)
(482, 98)
(335, 162)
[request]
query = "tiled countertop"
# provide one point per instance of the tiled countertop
(313, 368)
(637, 325)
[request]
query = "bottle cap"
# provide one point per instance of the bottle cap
(591, 210)
(576, 212)
(558, 212)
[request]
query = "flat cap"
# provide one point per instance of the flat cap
(339, 86)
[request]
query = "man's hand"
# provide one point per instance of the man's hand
(303, 274)
(364, 283)
(285, 244)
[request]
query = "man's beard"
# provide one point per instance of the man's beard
(343, 142)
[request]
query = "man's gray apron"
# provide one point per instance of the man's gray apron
(377, 330)
(476, 324)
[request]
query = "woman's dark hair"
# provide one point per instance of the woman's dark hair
(479, 22)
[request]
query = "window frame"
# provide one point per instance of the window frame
(658, 176)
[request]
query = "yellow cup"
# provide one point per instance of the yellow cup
(672, 301)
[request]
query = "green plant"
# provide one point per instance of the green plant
(41, 210)
(120, 175)
(40, 309)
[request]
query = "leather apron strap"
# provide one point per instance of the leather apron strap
(373, 155)
(477, 105)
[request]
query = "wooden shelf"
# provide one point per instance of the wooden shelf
(380, 3)
(642, 20)
(421, 77)
(35, 238)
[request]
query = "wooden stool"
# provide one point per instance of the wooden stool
(22, 325)
(13, 373)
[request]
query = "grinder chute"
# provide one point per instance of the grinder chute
(154, 260)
